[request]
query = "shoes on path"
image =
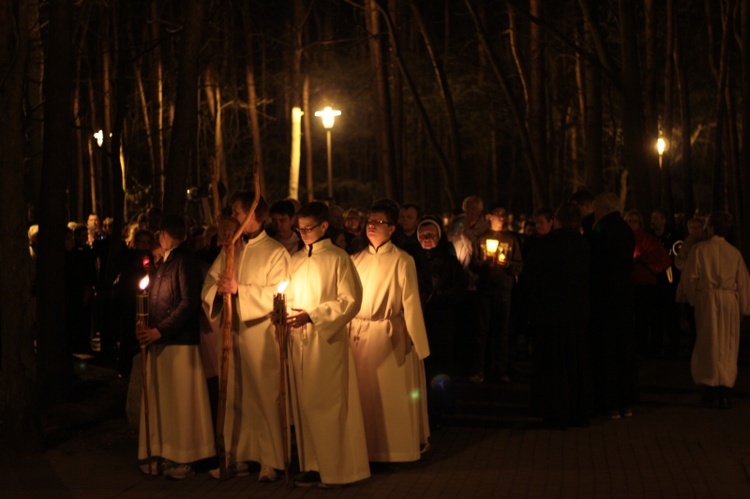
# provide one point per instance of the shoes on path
(267, 474)
(233, 470)
(308, 479)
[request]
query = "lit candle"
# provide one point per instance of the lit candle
(279, 304)
(141, 313)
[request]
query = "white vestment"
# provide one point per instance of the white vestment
(252, 428)
(389, 342)
(716, 283)
(327, 413)
(179, 412)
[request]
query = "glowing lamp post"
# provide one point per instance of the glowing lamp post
(328, 116)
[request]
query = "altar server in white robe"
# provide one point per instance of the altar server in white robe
(252, 428)
(389, 342)
(325, 294)
(715, 281)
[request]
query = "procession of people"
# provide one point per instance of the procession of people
(385, 308)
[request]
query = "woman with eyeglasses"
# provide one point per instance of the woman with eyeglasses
(389, 342)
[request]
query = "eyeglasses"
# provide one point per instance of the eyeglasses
(307, 230)
(377, 222)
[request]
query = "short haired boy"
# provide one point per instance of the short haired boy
(325, 294)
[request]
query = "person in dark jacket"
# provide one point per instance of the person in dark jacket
(556, 279)
(612, 329)
(442, 284)
(179, 414)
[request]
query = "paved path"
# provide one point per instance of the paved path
(670, 448)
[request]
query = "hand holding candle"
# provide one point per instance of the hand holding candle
(143, 333)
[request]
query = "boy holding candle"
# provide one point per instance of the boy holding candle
(180, 428)
(325, 294)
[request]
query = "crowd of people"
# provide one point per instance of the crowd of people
(386, 306)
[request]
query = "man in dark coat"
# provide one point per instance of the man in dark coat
(612, 329)
(556, 278)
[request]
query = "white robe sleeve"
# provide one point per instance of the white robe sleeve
(255, 301)
(688, 286)
(412, 306)
(331, 316)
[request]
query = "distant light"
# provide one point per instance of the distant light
(661, 145)
(328, 115)
(415, 394)
(99, 136)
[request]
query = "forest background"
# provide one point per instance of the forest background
(520, 101)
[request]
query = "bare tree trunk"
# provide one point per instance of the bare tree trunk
(252, 99)
(732, 176)
(444, 164)
(536, 119)
(182, 150)
(19, 407)
(298, 29)
(157, 94)
(744, 166)
(403, 171)
(447, 97)
(212, 89)
(109, 158)
(307, 132)
(667, 201)
(382, 99)
(634, 154)
(517, 114)
(55, 367)
(651, 108)
(685, 125)
(35, 118)
(590, 104)
(719, 200)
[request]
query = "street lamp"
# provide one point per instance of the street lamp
(328, 115)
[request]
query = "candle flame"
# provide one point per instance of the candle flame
(282, 286)
(491, 245)
(144, 283)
